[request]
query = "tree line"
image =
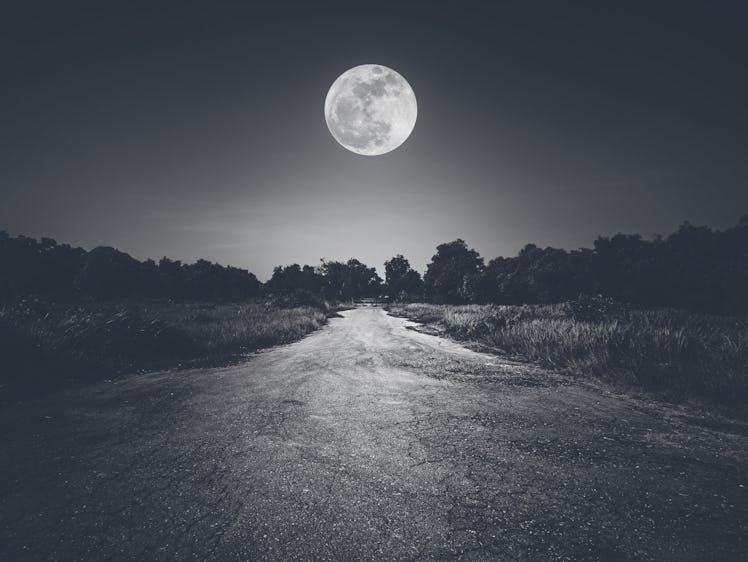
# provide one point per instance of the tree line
(694, 268)
(45, 267)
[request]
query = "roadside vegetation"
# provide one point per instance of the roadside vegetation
(667, 351)
(666, 314)
(72, 315)
(45, 345)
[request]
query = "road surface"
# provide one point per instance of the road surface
(367, 440)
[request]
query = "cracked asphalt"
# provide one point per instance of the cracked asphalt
(368, 440)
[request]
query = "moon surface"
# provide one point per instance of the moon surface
(370, 109)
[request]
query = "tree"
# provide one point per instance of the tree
(294, 278)
(402, 282)
(108, 273)
(349, 280)
(454, 274)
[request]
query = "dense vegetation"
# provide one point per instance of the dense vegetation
(45, 344)
(695, 268)
(681, 353)
(45, 267)
(337, 281)
(68, 314)
(611, 311)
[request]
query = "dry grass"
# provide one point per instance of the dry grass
(662, 350)
(43, 344)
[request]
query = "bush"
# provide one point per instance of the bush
(594, 308)
(661, 350)
(45, 344)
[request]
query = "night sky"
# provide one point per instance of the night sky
(196, 131)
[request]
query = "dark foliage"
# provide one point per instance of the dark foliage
(454, 274)
(675, 353)
(349, 280)
(334, 280)
(46, 344)
(294, 278)
(695, 268)
(44, 267)
(593, 309)
(402, 283)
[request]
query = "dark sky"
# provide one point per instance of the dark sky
(197, 130)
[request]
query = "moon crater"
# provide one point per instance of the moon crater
(370, 109)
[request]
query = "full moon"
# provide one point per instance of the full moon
(370, 109)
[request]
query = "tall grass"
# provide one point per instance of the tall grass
(663, 350)
(43, 344)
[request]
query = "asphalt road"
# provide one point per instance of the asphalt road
(367, 440)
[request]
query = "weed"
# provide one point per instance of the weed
(662, 350)
(43, 344)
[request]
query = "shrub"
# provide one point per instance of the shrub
(662, 350)
(43, 344)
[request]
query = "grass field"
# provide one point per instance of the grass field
(45, 345)
(678, 353)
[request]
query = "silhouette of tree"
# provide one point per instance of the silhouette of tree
(349, 280)
(454, 274)
(695, 268)
(109, 273)
(402, 282)
(45, 267)
(295, 278)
